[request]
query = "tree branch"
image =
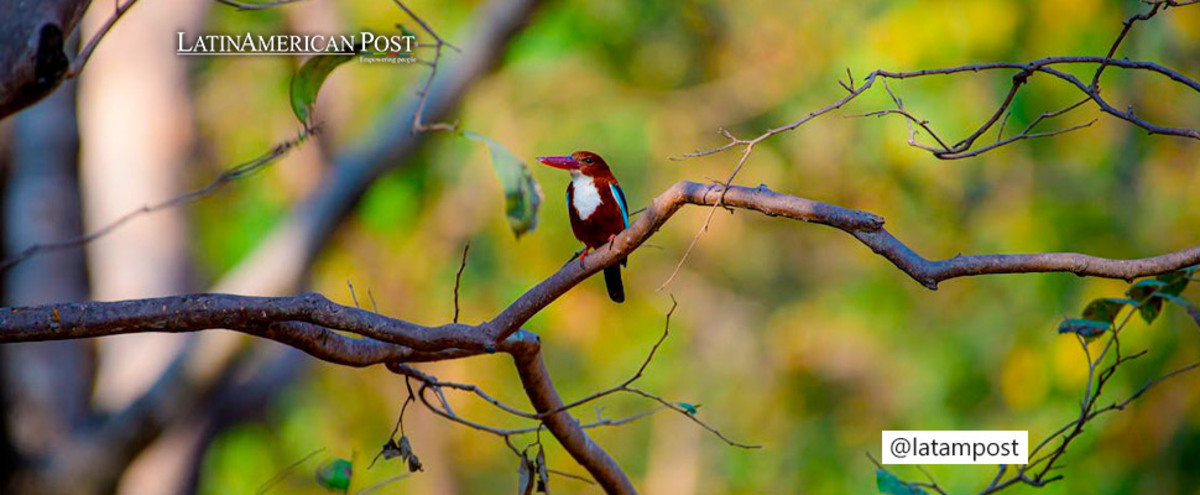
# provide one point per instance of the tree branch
(33, 61)
(865, 226)
(228, 176)
(312, 323)
(86, 53)
(544, 397)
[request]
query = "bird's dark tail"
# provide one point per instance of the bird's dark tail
(612, 279)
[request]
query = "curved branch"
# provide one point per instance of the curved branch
(311, 322)
(544, 397)
(254, 314)
(865, 226)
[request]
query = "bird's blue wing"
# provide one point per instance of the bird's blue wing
(620, 196)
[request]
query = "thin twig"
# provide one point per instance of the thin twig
(625, 384)
(423, 95)
(257, 6)
(1037, 472)
(353, 296)
(565, 474)
(462, 265)
(226, 177)
(379, 486)
(280, 476)
(964, 148)
(86, 53)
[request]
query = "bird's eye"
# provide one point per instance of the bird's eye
(587, 160)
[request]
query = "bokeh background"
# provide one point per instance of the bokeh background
(790, 335)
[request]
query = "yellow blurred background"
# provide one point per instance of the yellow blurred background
(790, 335)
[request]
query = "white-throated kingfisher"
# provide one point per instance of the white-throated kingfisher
(597, 207)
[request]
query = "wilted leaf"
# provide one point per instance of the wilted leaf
(1106, 309)
(405, 447)
(525, 478)
(335, 475)
(308, 80)
(891, 485)
(1088, 329)
(543, 472)
(414, 464)
(391, 450)
(522, 196)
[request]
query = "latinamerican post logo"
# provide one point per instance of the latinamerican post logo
(370, 47)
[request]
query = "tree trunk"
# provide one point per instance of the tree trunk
(47, 386)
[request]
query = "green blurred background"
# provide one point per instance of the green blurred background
(791, 335)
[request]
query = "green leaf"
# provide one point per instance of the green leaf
(1191, 308)
(1151, 308)
(522, 196)
(405, 31)
(1106, 309)
(690, 409)
(1174, 282)
(1088, 329)
(308, 80)
(335, 475)
(1144, 288)
(1145, 292)
(889, 484)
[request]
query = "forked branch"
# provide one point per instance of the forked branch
(317, 326)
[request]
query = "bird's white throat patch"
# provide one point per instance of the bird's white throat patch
(587, 197)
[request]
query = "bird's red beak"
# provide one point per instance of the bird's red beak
(563, 162)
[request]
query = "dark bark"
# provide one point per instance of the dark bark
(32, 59)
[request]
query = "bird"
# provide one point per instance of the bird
(597, 208)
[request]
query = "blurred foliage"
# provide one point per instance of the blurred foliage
(522, 196)
(308, 80)
(791, 335)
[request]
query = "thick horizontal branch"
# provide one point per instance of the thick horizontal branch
(306, 321)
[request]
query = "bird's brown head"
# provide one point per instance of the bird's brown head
(585, 162)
